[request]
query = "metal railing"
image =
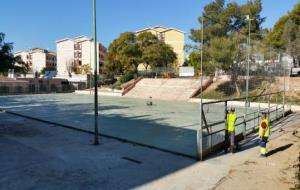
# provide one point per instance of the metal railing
(214, 133)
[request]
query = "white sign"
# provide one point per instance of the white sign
(186, 71)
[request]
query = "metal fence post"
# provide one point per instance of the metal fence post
(269, 113)
(245, 117)
(276, 107)
(225, 123)
(269, 97)
(200, 136)
(258, 119)
(253, 121)
(245, 125)
(283, 102)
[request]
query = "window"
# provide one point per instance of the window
(161, 37)
(77, 46)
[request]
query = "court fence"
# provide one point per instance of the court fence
(37, 86)
(211, 135)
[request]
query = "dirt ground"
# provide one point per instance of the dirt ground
(276, 172)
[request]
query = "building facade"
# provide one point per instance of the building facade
(38, 58)
(73, 54)
(171, 36)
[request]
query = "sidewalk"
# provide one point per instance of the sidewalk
(245, 169)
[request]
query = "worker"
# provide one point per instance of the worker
(264, 133)
(230, 130)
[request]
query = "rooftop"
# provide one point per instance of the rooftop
(160, 29)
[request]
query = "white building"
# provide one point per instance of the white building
(38, 58)
(74, 53)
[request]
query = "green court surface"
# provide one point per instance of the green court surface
(166, 125)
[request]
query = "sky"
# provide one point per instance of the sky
(39, 23)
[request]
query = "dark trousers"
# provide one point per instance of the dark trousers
(229, 141)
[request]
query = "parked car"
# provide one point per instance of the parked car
(295, 71)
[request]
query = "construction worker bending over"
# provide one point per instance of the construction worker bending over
(230, 128)
(264, 133)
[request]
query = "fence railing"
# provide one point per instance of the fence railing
(213, 133)
(35, 89)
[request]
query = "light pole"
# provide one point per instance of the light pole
(200, 131)
(247, 72)
(248, 59)
(96, 140)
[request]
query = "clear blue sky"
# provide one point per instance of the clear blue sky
(39, 23)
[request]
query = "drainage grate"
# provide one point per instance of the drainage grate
(131, 160)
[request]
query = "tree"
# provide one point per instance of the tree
(86, 69)
(20, 66)
(6, 55)
(159, 54)
(291, 38)
(128, 51)
(225, 29)
(146, 41)
(7, 59)
(285, 33)
(274, 37)
(124, 54)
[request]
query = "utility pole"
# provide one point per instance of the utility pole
(96, 140)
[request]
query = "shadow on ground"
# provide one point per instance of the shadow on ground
(59, 158)
(280, 149)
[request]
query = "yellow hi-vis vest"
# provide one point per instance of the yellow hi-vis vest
(230, 122)
(267, 129)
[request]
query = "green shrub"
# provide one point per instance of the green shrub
(126, 77)
(116, 85)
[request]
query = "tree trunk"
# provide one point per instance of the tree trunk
(238, 92)
(235, 76)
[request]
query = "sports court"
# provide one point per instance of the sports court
(167, 125)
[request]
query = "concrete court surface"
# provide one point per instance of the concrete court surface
(167, 125)
(35, 155)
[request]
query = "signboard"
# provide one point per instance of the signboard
(186, 71)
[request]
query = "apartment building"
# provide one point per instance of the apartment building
(173, 37)
(77, 52)
(38, 58)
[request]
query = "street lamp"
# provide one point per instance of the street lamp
(96, 140)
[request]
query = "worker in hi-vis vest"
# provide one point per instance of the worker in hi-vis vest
(231, 118)
(264, 133)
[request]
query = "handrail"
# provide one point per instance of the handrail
(241, 117)
(241, 98)
(246, 123)
(238, 124)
